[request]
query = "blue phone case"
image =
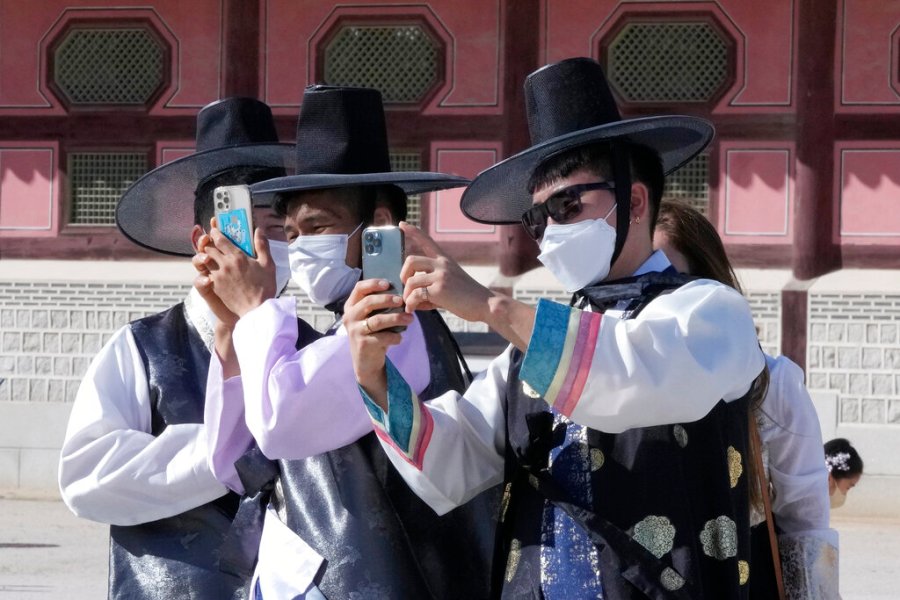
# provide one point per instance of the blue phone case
(236, 227)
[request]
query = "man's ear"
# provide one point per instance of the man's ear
(382, 217)
(196, 232)
(640, 203)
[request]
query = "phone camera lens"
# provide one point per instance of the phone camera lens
(370, 249)
(219, 205)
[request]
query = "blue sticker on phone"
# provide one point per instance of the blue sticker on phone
(234, 225)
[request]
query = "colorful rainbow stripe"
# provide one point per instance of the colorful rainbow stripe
(560, 353)
(408, 424)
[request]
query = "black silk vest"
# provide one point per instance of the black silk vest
(176, 557)
(378, 539)
(670, 515)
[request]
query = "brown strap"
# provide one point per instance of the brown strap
(764, 493)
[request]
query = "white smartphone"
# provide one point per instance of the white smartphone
(234, 214)
(382, 258)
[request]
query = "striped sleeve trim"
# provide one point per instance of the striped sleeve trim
(560, 354)
(408, 424)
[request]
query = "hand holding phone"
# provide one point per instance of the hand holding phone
(382, 258)
(234, 214)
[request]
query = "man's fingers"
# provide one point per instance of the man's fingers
(222, 243)
(199, 262)
(364, 287)
(415, 264)
(416, 239)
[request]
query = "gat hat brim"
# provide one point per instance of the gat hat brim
(157, 210)
(499, 194)
(411, 182)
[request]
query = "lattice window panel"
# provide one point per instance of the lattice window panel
(109, 66)
(690, 184)
(409, 161)
(399, 60)
(98, 179)
(668, 62)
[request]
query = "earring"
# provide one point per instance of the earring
(637, 220)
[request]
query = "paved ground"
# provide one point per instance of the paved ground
(47, 552)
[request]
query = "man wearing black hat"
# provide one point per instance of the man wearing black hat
(619, 427)
(338, 520)
(135, 450)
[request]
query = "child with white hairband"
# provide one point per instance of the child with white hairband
(845, 468)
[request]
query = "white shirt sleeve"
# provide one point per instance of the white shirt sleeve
(112, 469)
(672, 363)
(793, 441)
(451, 448)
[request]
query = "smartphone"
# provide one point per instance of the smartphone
(235, 215)
(382, 258)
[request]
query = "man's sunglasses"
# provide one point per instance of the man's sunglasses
(562, 206)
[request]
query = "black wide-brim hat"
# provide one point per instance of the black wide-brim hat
(157, 210)
(342, 142)
(569, 104)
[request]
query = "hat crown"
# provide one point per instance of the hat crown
(341, 131)
(235, 121)
(568, 96)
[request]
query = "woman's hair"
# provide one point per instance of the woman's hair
(695, 237)
(842, 460)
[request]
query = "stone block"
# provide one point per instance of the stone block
(90, 343)
(882, 384)
(59, 319)
(7, 365)
(25, 365)
(31, 341)
(849, 410)
(817, 332)
(72, 390)
(893, 415)
(12, 342)
(40, 319)
(871, 358)
(856, 333)
(70, 343)
(62, 365)
(23, 319)
(889, 334)
(859, 384)
(873, 411)
(848, 358)
(120, 318)
(43, 365)
(19, 390)
(817, 381)
(76, 319)
(892, 359)
(51, 343)
(37, 390)
(56, 390)
(103, 320)
(813, 358)
(829, 357)
(7, 318)
(872, 334)
(838, 382)
(80, 365)
(836, 332)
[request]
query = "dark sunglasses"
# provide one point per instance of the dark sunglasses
(562, 206)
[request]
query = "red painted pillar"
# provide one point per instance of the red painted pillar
(521, 23)
(815, 250)
(242, 47)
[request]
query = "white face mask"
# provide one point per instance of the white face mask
(838, 498)
(578, 254)
(279, 252)
(319, 266)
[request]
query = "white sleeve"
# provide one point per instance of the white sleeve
(451, 448)
(112, 469)
(300, 403)
(793, 442)
(672, 363)
(227, 433)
